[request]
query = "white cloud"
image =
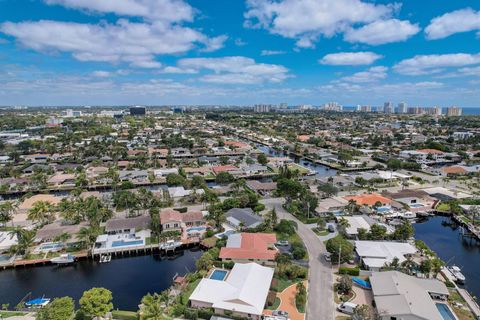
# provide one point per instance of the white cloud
(235, 70)
(371, 75)
(307, 20)
(453, 22)
(157, 10)
(271, 52)
(350, 58)
(101, 74)
(435, 63)
(384, 31)
(177, 70)
(240, 43)
(133, 43)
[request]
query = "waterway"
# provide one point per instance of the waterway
(129, 278)
(446, 240)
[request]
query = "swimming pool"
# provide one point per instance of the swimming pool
(51, 246)
(123, 243)
(218, 274)
(416, 205)
(198, 229)
(445, 311)
(4, 258)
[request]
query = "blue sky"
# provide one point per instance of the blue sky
(158, 52)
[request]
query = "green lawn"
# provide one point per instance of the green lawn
(445, 207)
(124, 315)
(320, 233)
(275, 305)
(189, 290)
(282, 284)
(8, 314)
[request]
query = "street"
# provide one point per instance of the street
(320, 305)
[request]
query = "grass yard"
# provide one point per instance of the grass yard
(124, 315)
(8, 314)
(275, 305)
(321, 233)
(445, 207)
(188, 291)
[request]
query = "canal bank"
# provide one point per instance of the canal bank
(446, 240)
(129, 278)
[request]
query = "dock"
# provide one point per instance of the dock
(471, 303)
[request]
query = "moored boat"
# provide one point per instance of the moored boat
(66, 258)
(457, 273)
(37, 303)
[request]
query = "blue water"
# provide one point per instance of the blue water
(123, 243)
(445, 311)
(129, 278)
(196, 229)
(447, 242)
(218, 275)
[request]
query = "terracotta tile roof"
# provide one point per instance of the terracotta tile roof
(369, 199)
(169, 215)
(237, 144)
(432, 151)
(454, 170)
(252, 246)
(218, 169)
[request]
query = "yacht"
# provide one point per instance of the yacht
(66, 258)
(457, 273)
(170, 245)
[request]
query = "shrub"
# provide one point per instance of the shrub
(350, 271)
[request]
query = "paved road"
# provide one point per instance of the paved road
(320, 293)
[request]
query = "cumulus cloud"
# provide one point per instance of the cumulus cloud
(435, 63)
(307, 20)
(350, 58)
(453, 22)
(132, 43)
(271, 52)
(371, 75)
(101, 74)
(158, 10)
(384, 31)
(235, 70)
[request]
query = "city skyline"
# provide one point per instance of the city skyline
(160, 52)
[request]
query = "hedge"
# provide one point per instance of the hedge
(349, 271)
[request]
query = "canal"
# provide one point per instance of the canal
(445, 239)
(129, 278)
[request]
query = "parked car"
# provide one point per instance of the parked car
(331, 228)
(347, 307)
(282, 243)
(327, 256)
(280, 313)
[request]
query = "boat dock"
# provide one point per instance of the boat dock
(471, 303)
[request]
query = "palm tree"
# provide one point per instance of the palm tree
(343, 224)
(6, 211)
(25, 239)
(152, 307)
(88, 235)
(40, 212)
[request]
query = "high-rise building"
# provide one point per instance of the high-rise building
(415, 110)
(138, 111)
(388, 107)
(454, 112)
(402, 107)
(262, 108)
(283, 105)
(434, 111)
(366, 108)
(332, 106)
(69, 113)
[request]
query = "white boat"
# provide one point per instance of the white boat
(170, 245)
(409, 215)
(63, 259)
(104, 258)
(457, 273)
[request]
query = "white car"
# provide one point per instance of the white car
(347, 307)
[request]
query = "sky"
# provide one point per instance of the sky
(239, 52)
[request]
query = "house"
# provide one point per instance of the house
(128, 225)
(400, 296)
(133, 175)
(331, 205)
(62, 179)
(7, 240)
(218, 169)
(262, 188)
(445, 194)
(362, 222)
(165, 172)
(179, 192)
(374, 255)
(241, 218)
(250, 247)
(414, 200)
(49, 232)
(254, 169)
(243, 292)
(369, 199)
(173, 220)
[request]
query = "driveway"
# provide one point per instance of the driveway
(320, 304)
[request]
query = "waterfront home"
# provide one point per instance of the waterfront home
(362, 222)
(201, 171)
(374, 255)
(179, 192)
(127, 225)
(133, 175)
(250, 247)
(412, 200)
(446, 194)
(369, 199)
(7, 240)
(50, 232)
(37, 167)
(254, 169)
(262, 188)
(62, 179)
(173, 220)
(335, 205)
(400, 296)
(230, 169)
(242, 291)
(243, 218)
(165, 172)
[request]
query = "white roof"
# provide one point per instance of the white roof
(391, 175)
(7, 240)
(448, 192)
(244, 290)
(397, 294)
(376, 253)
(356, 222)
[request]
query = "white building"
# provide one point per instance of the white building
(375, 254)
(243, 291)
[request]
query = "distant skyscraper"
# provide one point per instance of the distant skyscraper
(366, 108)
(388, 107)
(137, 111)
(332, 106)
(434, 111)
(415, 110)
(454, 111)
(262, 108)
(283, 105)
(402, 107)
(69, 113)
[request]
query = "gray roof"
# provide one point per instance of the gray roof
(398, 294)
(140, 222)
(245, 216)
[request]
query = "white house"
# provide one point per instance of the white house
(375, 254)
(243, 291)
